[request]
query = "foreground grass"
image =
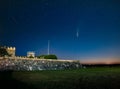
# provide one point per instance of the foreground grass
(89, 78)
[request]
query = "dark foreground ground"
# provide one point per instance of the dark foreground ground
(86, 78)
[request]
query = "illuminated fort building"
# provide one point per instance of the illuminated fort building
(11, 51)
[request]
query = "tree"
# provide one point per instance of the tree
(47, 56)
(3, 51)
(41, 56)
(50, 56)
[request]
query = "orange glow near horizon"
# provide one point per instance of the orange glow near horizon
(101, 61)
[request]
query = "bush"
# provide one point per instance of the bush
(3, 51)
(31, 57)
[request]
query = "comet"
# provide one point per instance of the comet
(77, 33)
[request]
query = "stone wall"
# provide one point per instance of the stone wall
(34, 64)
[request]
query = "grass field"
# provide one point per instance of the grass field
(89, 78)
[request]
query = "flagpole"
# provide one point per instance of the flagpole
(48, 47)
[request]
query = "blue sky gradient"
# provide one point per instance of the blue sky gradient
(29, 24)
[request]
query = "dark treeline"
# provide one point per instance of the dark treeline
(101, 65)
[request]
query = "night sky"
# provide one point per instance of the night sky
(77, 29)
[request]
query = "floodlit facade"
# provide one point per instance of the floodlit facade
(11, 51)
(30, 54)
